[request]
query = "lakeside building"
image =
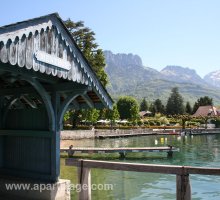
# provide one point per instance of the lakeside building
(207, 111)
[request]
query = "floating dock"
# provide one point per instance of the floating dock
(122, 150)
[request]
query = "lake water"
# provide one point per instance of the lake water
(195, 151)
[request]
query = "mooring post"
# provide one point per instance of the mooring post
(70, 151)
(122, 155)
(170, 152)
(84, 177)
(183, 188)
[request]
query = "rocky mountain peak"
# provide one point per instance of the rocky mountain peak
(213, 78)
(122, 59)
(181, 74)
(173, 69)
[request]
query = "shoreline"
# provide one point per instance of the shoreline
(103, 133)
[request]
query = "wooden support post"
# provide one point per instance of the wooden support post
(170, 154)
(183, 188)
(84, 177)
(55, 142)
(122, 155)
(1, 110)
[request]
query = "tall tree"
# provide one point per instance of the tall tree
(188, 108)
(152, 109)
(159, 107)
(124, 106)
(202, 101)
(175, 103)
(85, 39)
(143, 105)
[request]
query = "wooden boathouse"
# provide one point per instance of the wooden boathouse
(42, 73)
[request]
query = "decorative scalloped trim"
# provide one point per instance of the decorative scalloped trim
(89, 78)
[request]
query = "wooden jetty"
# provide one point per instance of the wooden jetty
(183, 186)
(202, 131)
(135, 134)
(122, 150)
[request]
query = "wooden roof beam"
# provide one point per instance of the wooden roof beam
(62, 87)
(74, 105)
(88, 100)
(20, 71)
(29, 101)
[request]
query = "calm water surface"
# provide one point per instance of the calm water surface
(195, 151)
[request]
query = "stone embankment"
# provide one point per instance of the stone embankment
(82, 134)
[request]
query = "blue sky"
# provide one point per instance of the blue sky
(161, 32)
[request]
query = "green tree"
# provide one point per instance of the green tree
(124, 106)
(143, 105)
(85, 39)
(175, 103)
(202, 101)
(67, 116)
(159, 107)
(188, 108)
(103, 113)
(134, 113)
(152, 109)
(113, 114)
(90, 115)
(75, 116)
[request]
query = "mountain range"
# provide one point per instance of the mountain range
(128, 76)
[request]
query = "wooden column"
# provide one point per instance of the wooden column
(55, 143)
(84, 177)
(1, 137)
(183, 188)
(1, 110)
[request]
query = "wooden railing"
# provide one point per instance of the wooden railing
(183, 188)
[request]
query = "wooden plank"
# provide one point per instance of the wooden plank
(36, 64)
(166, 169)
(29, 52)
(202, 170)
(181, 170)
(54, 49)
(21, 52)
(122, 148)
(13, 52)
(4, 52)
(118, 150)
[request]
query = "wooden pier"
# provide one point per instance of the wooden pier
(122, 150)
(202, 131)
(183, 186)
(134, 134)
